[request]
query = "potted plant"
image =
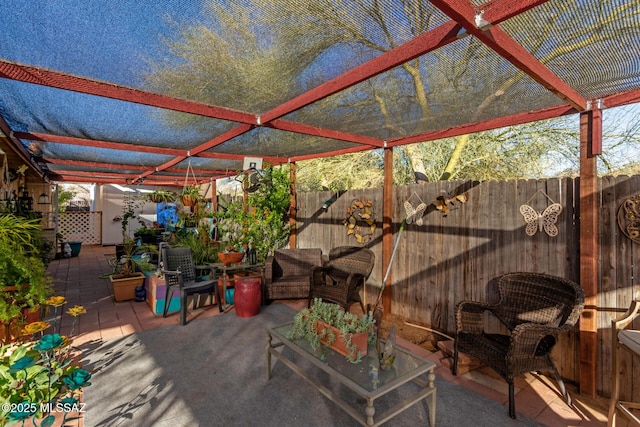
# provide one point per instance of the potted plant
(147, 235)
(124, 283)
(327, 325)
(24, 281)
(264, 227)
(190, 195)
(127, 278)
(161, 196)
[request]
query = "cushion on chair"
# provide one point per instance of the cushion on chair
(630, 338)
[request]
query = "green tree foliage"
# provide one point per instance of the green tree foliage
(244, 44)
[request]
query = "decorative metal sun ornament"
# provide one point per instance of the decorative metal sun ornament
(629, 218)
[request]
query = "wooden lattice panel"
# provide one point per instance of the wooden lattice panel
(85, 227)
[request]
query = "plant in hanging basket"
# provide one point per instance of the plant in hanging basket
(327, 325)
(162, 196)
(190, 195)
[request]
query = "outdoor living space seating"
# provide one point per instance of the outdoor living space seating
(107, 321)
(288, 271)
(341, 279)
(535, 308)
(180, 275)
(624, 339)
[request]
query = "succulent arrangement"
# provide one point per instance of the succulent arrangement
(347, 324)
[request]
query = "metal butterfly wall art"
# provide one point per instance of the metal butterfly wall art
(442, 202)
(414, 209)
(538, 221)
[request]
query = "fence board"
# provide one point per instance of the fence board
(456, 257)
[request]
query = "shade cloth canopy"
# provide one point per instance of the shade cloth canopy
(127, 91)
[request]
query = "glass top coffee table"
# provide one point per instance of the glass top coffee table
(364, 378)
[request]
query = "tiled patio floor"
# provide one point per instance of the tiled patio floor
(78, 279)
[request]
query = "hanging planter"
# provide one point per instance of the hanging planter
(161, 196)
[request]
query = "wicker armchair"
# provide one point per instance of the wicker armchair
(287, 273)
(340, 280)
(535, 308)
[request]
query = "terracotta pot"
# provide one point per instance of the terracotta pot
(230, 257)
(360, 340)
(187, 200)
(13, 331)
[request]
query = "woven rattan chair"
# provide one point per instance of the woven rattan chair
(180, 275)
(343, 276)
(535, 308)
(287, 273)
(625, 339)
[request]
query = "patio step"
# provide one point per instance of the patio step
(465, 363)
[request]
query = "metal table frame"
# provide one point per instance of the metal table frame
(302, 348)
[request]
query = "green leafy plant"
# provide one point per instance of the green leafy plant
(204, 250)
(305, 326)
(127, 266)
(24, 281)
(161, 196)
(190, 195)
(264, 226)
(38, 376)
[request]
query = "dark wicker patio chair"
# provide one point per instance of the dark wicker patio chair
(287, 273)
(180, 274)
(341, 279)
(535, 308)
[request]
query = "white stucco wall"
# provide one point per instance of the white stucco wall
(109, 199)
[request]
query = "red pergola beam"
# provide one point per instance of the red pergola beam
(40, 76)
(232, 133)
(424, 43)
(499, 11)
(134, 167)
(356, 149)
(500, 122)
(83, 163)
(624, 98)
(421, 45)
(325, 133)
(55, 139)
(495, 38)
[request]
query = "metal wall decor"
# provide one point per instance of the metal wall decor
(414, 208)
(629, 218)
(442, 202)
(361, 220)
(541, 220)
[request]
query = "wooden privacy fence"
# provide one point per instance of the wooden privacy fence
(455, 257)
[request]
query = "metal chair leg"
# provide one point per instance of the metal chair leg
(167, 300)
(512, 401)
(183, 307)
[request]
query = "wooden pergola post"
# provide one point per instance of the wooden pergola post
(293, 206)
(387, 225)
(214, 195)
(590, 146)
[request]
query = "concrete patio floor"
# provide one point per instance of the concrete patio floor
(79, 280)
